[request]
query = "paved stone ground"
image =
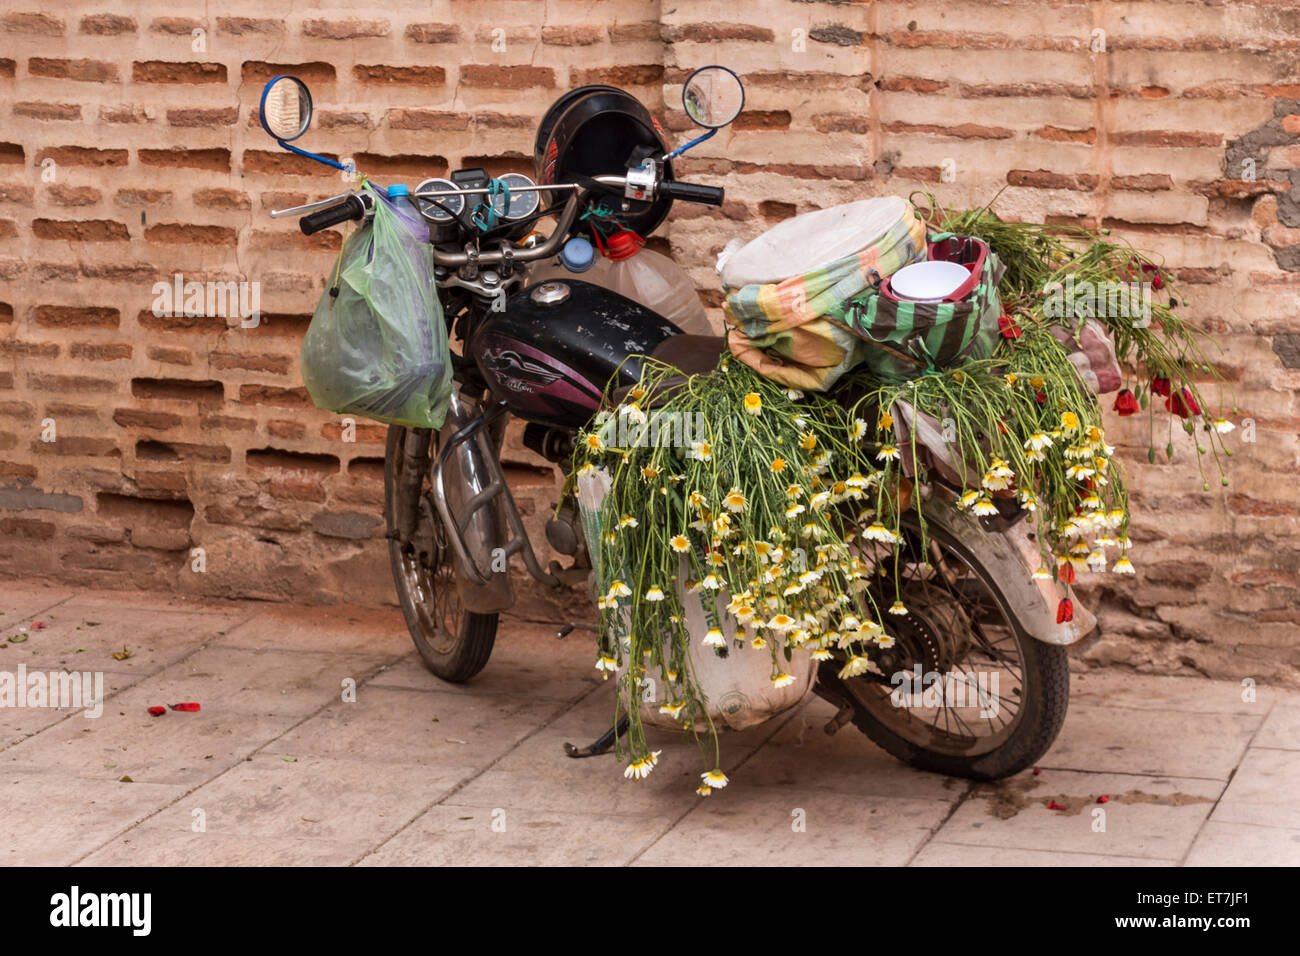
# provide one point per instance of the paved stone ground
(282, 771)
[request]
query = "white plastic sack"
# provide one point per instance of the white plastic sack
(808, 241)
(738, 687)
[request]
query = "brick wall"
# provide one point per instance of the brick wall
(130, 152)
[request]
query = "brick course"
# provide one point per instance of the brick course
(131, 153)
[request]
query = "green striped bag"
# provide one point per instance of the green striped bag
(911, 338)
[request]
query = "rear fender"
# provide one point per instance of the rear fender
(1011, 556)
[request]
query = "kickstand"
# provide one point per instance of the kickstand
(602, 744)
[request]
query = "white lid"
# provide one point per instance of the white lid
(810, 240)
(928, 281)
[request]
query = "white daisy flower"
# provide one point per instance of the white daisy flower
(857, 665)
(715, 779)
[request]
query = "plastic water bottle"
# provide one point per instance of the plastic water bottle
(399, 197)
(655, 281)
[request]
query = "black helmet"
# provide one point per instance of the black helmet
(594, 131)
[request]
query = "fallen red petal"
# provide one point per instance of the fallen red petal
(1103, 799)
(157, 711)
(188, 708)
(1037, 771)
(38, 625)
(1053, 805)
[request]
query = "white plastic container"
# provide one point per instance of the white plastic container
(738, 688)
(644, 276)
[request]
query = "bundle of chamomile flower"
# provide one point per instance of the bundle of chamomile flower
(1023, 425)
(1023, 428)
(730, 486)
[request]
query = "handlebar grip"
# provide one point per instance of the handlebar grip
(691, 192)
(350, 208)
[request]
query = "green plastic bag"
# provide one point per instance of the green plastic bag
(379, 349)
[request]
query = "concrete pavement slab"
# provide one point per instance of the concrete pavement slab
(52, 818)
(1241, 844)
(1110, 739)
(1281, 728)
(797, 826)
(21, 603)
(1131, 690)
(936, 853)
(85, 635)
(1265, 790)
(149, 845)
(387, 725)
(323, 739)
(1145, 816)
(452, 835)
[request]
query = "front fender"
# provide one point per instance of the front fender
(1011, 557)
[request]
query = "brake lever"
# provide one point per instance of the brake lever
(311, 206)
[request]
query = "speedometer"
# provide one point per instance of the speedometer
(439, 208)
(522, 205)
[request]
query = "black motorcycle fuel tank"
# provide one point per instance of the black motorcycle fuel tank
(551, 353)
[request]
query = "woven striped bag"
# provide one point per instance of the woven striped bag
(782, 330)
(909, 338)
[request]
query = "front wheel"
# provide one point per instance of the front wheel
(964, 690)
(454, 643)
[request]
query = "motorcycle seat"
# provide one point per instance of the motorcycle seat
(689, 354)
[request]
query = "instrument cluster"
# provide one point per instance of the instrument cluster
(509, 203)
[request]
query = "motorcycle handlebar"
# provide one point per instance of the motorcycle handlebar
(354, 208)
(691, 192)
(350, 208)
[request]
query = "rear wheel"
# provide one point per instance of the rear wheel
(454, 643)
(990, 699)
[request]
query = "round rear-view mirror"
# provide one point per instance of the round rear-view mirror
(713, 96)
(286, 108)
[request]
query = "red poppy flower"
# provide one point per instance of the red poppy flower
(157, 711)
(1157, 280)
(1065, 611)
(1009, 328)
(1040, 397)
(1182, 404)
(1160, 386)
(1065, 573)
(1126, 403)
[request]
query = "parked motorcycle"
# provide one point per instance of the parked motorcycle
(544, 352)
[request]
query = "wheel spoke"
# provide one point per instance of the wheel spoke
(958, 629)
